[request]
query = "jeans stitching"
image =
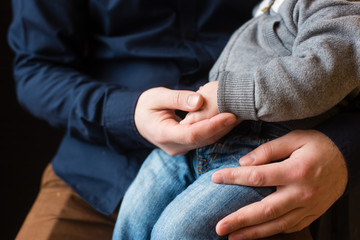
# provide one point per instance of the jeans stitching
(207, 163)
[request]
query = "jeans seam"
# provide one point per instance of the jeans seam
(198, 168)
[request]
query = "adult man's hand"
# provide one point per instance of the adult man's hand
(157, 122)
(309, 181)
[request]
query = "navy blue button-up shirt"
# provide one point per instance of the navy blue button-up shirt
(81, 66)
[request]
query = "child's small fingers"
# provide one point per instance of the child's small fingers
(192, 117)
(188, 119)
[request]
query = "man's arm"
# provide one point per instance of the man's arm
(49, 39)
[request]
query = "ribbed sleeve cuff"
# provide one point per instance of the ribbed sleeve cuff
(236, 95)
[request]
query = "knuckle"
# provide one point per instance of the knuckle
(308, 195)
(299, 173)
(303, 173)
(270, 212)
(283, 225)
(177, 99)
(233, 175)
(256, 178)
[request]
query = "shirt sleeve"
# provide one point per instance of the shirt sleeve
(49, 39)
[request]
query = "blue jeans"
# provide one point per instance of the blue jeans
(173, 197)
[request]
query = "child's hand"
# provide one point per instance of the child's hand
(209, 108)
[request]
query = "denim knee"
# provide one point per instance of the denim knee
(195, 212)
(185, 228)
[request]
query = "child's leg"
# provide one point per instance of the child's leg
(160, 179)
(196, 211)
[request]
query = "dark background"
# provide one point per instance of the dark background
(27, 144)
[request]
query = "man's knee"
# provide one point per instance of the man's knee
(58, 213)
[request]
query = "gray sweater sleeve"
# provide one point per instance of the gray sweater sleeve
(295, 63)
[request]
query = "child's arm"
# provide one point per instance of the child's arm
(297, 64)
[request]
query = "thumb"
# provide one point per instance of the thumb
(274, 150)
(164, 98)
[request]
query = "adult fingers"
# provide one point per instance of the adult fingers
(163, 98)
(270, 208)
(289, 223)
(218, 127)
(294, 221)
(274, 150)
(194, 135)
(273, 174)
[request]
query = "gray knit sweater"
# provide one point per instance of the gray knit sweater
(299, 60)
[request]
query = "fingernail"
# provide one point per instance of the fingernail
(192, 100)
(247, 159)
(217, 178)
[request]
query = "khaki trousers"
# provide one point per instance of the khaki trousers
(60, 214)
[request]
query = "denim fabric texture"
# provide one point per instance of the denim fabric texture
(174, 197)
